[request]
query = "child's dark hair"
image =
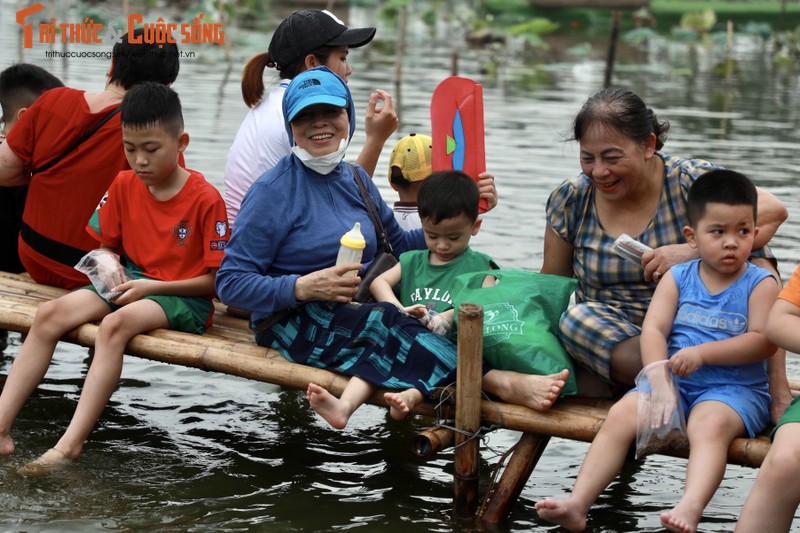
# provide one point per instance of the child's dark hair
(21, 85)
(397, 178)
(447, 194)
(152, 104)
(140, 61)
(723, 187)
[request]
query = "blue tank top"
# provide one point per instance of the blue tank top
(704, 317)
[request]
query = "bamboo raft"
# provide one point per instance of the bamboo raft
(228, 347)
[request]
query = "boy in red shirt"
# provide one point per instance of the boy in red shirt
(171, 225)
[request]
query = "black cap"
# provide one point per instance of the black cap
(302, 32)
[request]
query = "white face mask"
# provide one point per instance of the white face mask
(323, 164)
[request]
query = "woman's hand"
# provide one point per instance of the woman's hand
(487, 189)
(657, 262)
(135, 289)
(380, 122)
(328, 285)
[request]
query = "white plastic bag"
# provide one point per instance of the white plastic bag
(104, 271)
(660, 423)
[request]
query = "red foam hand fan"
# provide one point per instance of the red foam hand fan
(457, 128)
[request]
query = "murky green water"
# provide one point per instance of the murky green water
(185, 450)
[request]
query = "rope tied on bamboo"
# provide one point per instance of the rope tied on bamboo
(446, 398)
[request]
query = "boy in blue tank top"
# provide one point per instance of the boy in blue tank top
(707, 318)
(448, 210)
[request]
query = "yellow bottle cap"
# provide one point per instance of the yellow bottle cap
(353, 238)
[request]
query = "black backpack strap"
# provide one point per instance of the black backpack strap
(77, 143)
(372, 212)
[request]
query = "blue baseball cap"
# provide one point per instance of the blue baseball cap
(318, 85)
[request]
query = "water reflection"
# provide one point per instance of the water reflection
(181, 449)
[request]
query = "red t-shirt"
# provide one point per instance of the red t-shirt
(62, 198)
(176, 239)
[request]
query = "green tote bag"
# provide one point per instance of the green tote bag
(520, 320)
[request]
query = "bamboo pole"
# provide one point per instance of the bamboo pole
(402, 25)
(468, 415)
(523, 460)
(612, 50)
(431, 441)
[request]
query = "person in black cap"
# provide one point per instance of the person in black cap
(306, 39)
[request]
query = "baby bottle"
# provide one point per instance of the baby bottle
(352, 245)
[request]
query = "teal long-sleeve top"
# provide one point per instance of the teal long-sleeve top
(289, 225)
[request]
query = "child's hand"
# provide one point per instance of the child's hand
(686, 361)
(134, 290)
(487, 189)
(106, 272)
(416, 310)
(663, 396)
(440, 325)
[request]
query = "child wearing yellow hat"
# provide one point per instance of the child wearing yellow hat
(409, 165)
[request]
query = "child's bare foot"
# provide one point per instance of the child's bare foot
(49, 460)
(562, 513)
(6, 445)
(401, 403)
(328, 406)
(537, 392)
(681, 519)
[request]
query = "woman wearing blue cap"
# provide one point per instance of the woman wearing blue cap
(285, 242)
(306, 39)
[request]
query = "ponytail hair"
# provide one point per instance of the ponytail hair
(253, 78)
(253, 74)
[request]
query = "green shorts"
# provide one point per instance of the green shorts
(792, 414)
(184, 313)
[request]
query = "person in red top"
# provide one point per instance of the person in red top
(20, 85)
(62, 196)
(173, 228)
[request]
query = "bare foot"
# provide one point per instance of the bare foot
(401, 403)
(562, 513)
(49, 460)
(6, 445)
(681, 519)
(537, 392)
(328, 406)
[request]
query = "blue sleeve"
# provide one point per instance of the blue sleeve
(244, 279)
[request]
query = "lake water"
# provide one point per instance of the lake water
(184, 450)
